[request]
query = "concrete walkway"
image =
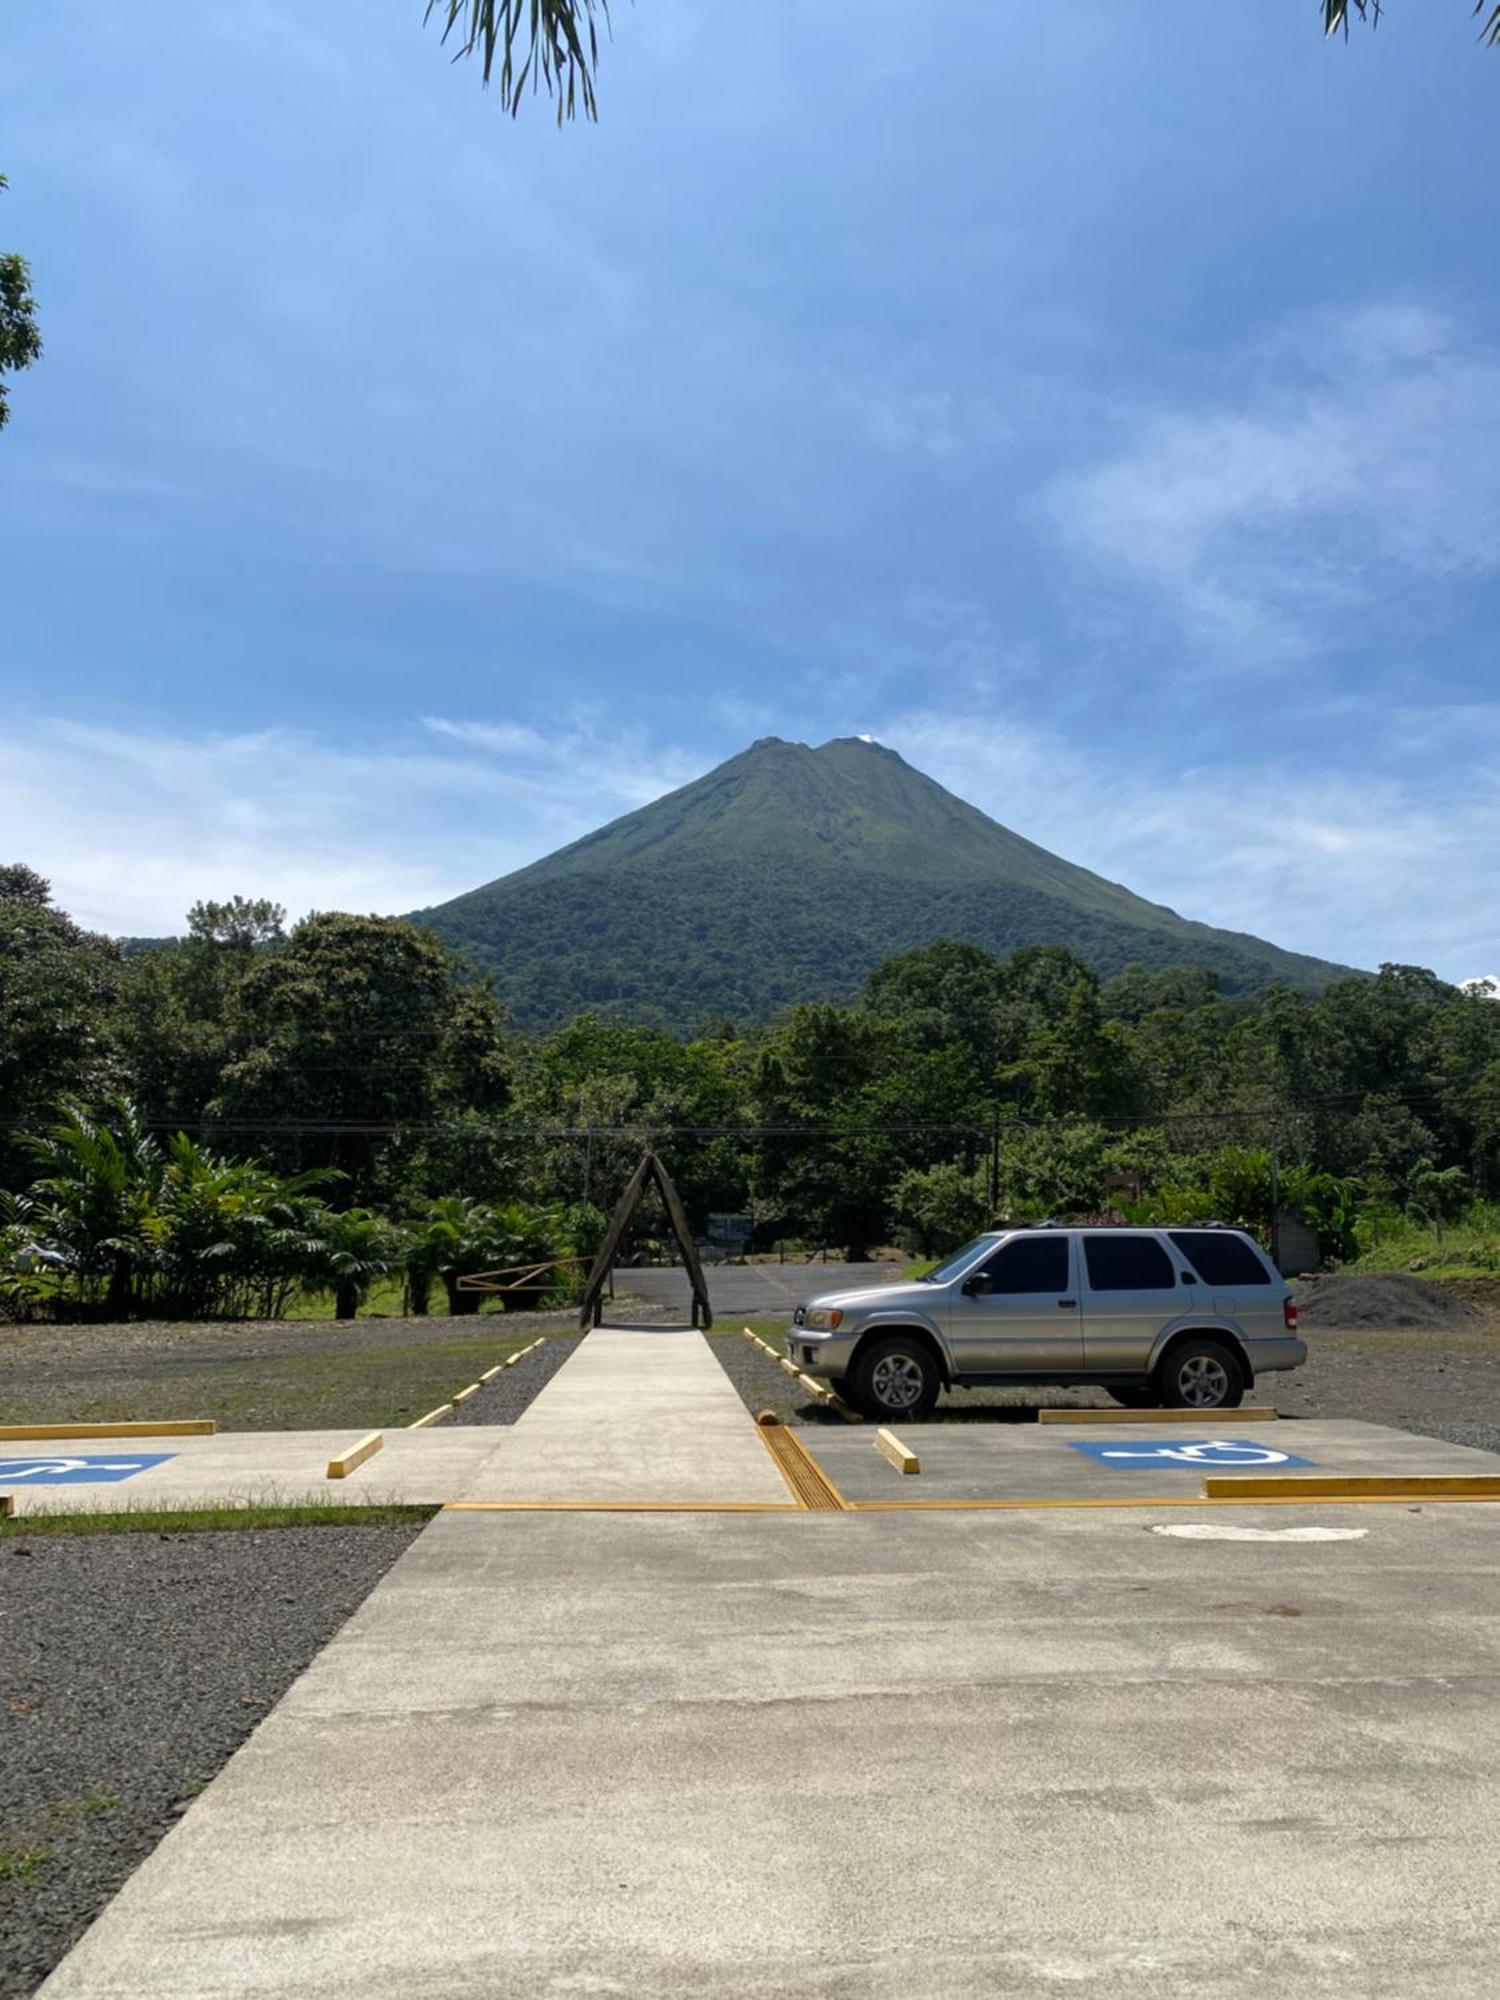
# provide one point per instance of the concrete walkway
(860, 1757)
(640, 1413)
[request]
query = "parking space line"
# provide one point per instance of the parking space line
(165, 1427)
(1255, 1415)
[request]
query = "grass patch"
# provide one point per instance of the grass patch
(21, 1861)
(771, 1331)
(209, 1520)
(23, 1856)
(373, 1378)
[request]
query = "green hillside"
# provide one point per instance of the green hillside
(787, 874)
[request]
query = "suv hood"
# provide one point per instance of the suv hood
(919, 1296)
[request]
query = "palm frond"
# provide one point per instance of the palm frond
(1336, 17)
(1336, 14)
(551, 44)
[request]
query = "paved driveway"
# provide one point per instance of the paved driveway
(852, 1755)
(747, 1291)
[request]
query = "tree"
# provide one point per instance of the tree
(339, 1026)
(553, 45)
(58, 985)
(1336, 17)
(242, 923)
(355, 1248)
(20, 339)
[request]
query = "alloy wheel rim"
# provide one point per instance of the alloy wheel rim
(897, 1381)
(1202, 1382)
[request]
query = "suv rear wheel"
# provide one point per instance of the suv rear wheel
(1201, 1375)
(896, 1376)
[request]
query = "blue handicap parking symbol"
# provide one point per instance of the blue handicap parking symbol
(1211, 1454)
(67, 1470)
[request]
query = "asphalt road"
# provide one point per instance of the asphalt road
(747, 1291)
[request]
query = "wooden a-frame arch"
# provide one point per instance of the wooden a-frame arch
(650, 1169)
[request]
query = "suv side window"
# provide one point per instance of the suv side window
(1127, 1264)
(1221, 1257)
(1029, 1264)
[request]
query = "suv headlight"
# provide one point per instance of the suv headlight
(823, 1318)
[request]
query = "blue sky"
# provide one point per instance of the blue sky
(1099, 405)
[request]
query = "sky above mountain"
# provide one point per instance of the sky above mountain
(1100, 405)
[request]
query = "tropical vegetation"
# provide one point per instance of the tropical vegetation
(254, 1116)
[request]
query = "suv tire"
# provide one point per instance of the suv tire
(896, 1376)
(1201, 1374)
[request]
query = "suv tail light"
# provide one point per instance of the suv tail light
(1289, 1314)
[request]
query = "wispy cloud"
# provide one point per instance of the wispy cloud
(132, 826)
(1345, 457)
(1360, 865)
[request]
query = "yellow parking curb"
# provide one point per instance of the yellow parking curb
(1392, 1486)
(432, 1417)
(167, 1427)
(1254, 1415)
(355, 1456)
(829, 1398)
(901, 1456)
(620, 1507)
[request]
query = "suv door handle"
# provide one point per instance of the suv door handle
(1063, 1304)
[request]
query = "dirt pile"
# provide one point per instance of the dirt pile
(1381, 1299)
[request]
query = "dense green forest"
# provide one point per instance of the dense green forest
(788, 874)
(210, 1125)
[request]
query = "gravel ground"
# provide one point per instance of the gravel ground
(1387, 1299)
(131, 1667)
(764, 1386)
(510, 1395)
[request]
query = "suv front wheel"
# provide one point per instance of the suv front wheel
(896, 1377)
(1201, 1375)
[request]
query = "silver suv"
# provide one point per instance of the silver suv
(1185, 1318)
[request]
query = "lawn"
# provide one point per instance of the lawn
(256, 1376)
(771, 1331)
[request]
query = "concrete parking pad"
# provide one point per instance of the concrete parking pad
(416, 1468)
(972, 1462)
(637, 1414)
(850, 1755)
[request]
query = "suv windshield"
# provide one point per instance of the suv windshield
(952, 1265)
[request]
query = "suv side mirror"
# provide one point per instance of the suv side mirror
(973, 1286)
(1187, 1277)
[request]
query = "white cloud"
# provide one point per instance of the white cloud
(1346, 458)
(1358, 865)
(132, 827)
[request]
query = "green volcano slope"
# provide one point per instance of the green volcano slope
(787, 874)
